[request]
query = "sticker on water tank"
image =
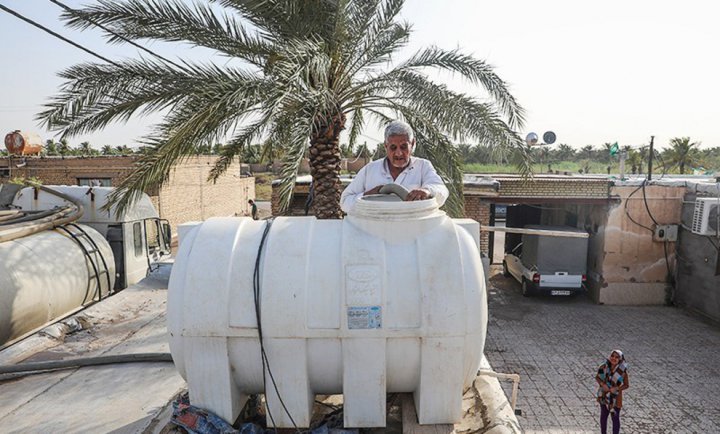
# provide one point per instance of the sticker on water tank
(365, 317)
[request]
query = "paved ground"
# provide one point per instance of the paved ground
(555, 344)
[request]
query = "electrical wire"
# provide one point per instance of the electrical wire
(663, 162)
(263, 354)
(96, 24)
(646, 204)
(57, 35)
(628, 212)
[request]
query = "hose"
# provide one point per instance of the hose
(26, 217)
(32, 368)
(63, 216)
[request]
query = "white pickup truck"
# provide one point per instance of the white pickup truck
(555, 264)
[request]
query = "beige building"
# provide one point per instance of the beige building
(186, 196)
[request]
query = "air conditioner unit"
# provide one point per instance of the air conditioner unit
(706, 218)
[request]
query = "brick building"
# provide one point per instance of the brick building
(186, 196)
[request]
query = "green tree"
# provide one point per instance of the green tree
(300, 73)
(682, 152)
(51, 147)
(123, 150)
(86, 150)
(564, 153)
(63, 148)
(108, 150)
(587, 152)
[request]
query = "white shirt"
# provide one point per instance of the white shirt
(420, 173)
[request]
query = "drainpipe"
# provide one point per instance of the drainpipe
(514, 377)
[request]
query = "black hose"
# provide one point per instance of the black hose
(40, 367)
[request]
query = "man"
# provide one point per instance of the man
(253, 209)
(416, 174)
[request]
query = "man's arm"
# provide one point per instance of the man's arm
(353, 191)
(432, 182)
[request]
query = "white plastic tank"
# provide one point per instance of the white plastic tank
(390, 299)
(46, 276)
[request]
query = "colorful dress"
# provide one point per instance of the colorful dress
(611, 378)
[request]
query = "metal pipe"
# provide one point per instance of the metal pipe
(514, 377)
(650, 158)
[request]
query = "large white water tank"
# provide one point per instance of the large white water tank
(390, 299)
(47, 275)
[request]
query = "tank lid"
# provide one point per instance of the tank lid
(390, 207)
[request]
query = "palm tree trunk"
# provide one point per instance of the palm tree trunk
(325, 166)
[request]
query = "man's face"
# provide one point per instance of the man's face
(398, 150)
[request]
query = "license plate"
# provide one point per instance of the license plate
(559, 292)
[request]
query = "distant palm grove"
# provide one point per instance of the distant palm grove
(682, 156)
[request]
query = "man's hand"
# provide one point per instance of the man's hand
(418, 194)
(375, 190)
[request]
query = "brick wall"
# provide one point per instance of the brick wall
(187, 196)
(554, 187)
(66, 171)
(478, 209)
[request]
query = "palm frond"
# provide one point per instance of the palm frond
(477, 71)
(173, 21)
(99, 94)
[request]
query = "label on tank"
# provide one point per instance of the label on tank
(364, 317)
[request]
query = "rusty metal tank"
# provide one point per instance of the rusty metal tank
(23, 143)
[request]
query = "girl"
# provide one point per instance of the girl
(612, 378)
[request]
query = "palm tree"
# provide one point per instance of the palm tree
(63, 148)
(564, 152)
(85, 149)
(107, 150)
(682, 153)
(51, 147)
(299, 73)
(587, 152)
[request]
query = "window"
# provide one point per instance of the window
(153, 236)
(137, 238)
(94, 182)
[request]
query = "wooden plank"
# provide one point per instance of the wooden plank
(410, 420)
(543, 232)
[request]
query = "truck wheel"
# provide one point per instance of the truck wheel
(506, 273)
(525, 288)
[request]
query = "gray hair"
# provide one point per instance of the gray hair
(399, 128)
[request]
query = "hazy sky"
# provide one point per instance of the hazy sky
(611, 71)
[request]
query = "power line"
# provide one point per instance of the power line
(57, 35)
(96, 24)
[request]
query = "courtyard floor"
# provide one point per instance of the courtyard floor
(556, 344)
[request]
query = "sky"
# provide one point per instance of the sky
(592, 72)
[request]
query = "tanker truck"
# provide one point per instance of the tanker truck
(61, 251)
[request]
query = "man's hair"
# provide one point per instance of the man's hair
(399, 128)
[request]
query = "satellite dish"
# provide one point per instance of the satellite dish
(549, 138)
(531, 139)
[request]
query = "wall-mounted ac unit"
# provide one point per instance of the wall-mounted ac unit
(706, 220)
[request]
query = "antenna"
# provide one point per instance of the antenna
(548, 139)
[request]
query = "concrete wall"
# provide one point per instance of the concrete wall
(697, 287)
(634, 267)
